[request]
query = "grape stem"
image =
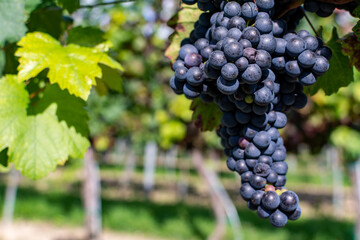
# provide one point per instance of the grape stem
(34, 94)
(105, 3)
(256, 8)
(308, 20)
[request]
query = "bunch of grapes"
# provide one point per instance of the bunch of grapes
(254, 68)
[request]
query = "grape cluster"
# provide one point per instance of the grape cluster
(254, 68)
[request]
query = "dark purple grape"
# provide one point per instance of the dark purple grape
(270, 200)
(191, 92)
(280, 168)
(194, 76)
(232, 9)
(263, 59)
(264, 25)
(278, 219)
(262, 139)
(180, 74)
(246, 191)
(249, 11)
(252, 74)
(295, 46)
(262, 169)
(312, 43)
(292, 68)
(217, 59)
(281, 181)
(257, 182)
(186, 49)
(233, 51)
(272, 177)
(237, 22)
(321, 65)
(295, 214)
(229, 71)
(256, 197)
(267, 42)
(234, 33)
(289, 201)
(252, 151)
(251, 34)
(263, 212)
(219, 33)
(176, 86)
(231, 163)
(177, 64)
(307, 59)
(246, 176)
(242, 63)
(307, 78)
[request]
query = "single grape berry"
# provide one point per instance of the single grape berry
(232, 9)
(233, 51)
(186, 49)
(289, 201)
(229, 71)
(251, 34)
(192, 60)
(278, 219)
(217, 59)
(249, 11)
(270, 200)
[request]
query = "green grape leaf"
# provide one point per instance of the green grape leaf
(85, 36)
(356, 29)
(48, 143)
(73, 67)
(14, 100)
(356, 11)
(12, 20)
(340, 73)
(183, 24)
(207, 116)
(47, 20)
(70, 5)
(101, 88)
(70, 109)
(36, 143)
(111, 78)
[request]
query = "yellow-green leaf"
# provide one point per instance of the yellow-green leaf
(73, 67)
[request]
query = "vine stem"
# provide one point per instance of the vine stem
(105, 3)
(34, 94)
(311, 25)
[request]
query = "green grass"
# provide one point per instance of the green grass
(173, 221)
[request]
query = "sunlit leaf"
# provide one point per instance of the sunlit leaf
(73, 67)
